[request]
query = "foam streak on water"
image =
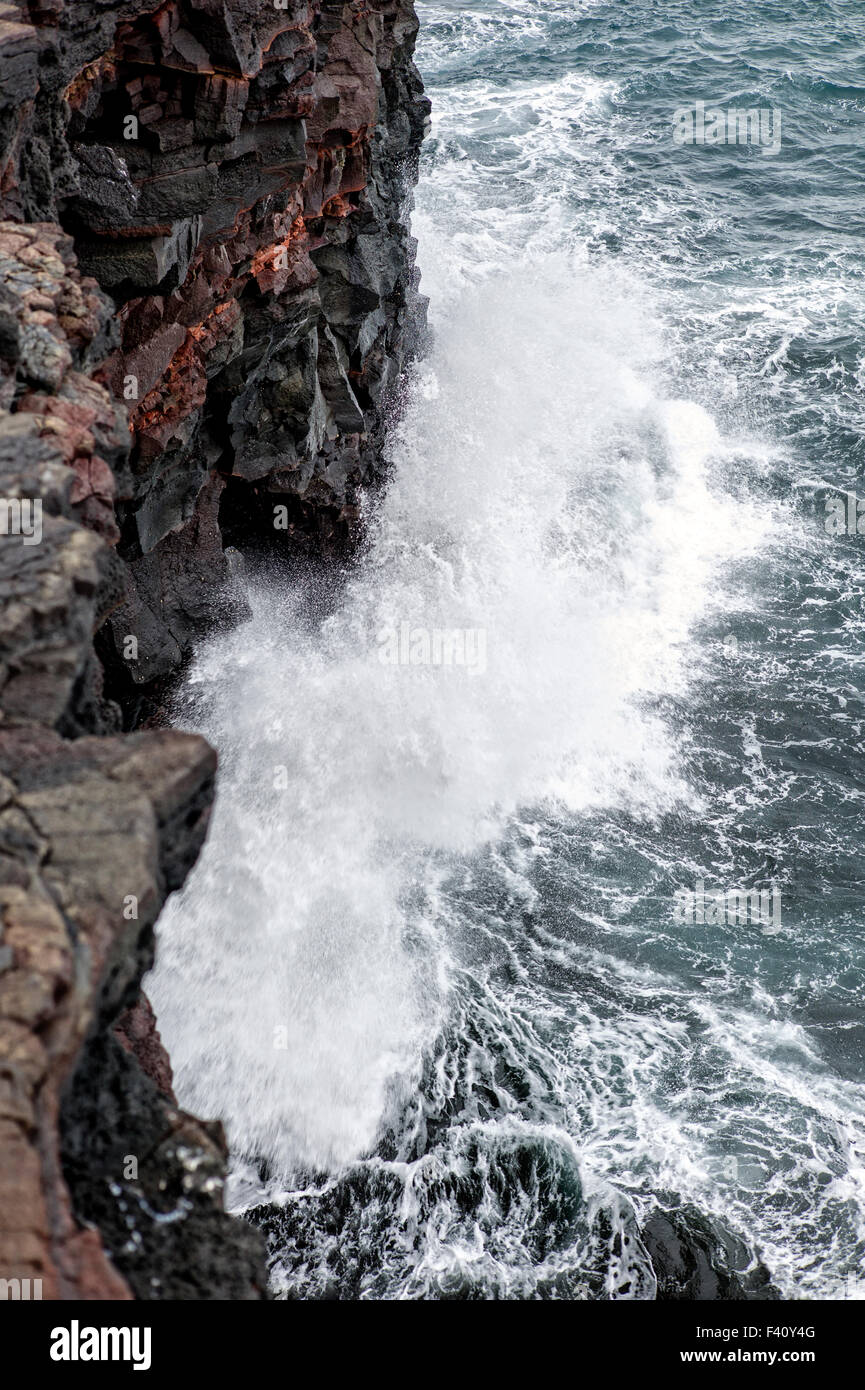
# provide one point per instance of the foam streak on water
(426, 969)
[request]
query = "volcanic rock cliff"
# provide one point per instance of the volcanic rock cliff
(207, 298)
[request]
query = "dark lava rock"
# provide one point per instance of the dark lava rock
(696, 1259)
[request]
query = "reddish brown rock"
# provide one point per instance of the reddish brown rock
(138, 1034)
(83, 827)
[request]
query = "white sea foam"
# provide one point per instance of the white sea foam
(542, 495)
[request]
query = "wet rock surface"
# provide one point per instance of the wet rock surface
(696, 1259)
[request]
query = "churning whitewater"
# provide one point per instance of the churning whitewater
(428, 969)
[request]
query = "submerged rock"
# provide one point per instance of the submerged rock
(696, 1258)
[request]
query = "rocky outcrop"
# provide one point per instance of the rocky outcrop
(93, 834)
(696, 1259)
(207, 297)
(235, 174)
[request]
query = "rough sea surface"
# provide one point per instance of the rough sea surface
(430, 968)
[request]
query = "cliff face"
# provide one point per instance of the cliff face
(235, 174)
(207, 296)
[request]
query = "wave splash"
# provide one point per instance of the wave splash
(543, 495)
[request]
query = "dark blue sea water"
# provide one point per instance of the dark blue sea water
(431, 969)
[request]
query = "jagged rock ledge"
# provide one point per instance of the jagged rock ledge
(207, 298)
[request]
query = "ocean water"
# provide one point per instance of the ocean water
(430, 969)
